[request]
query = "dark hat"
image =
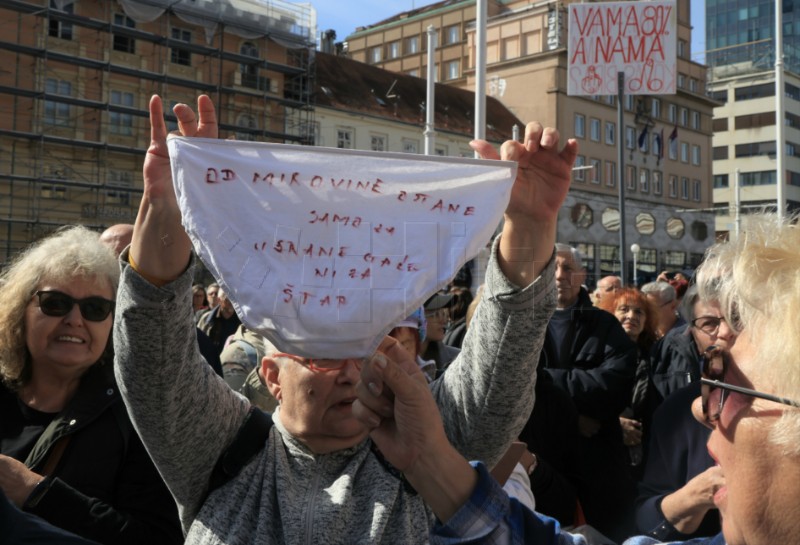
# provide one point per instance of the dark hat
(439, 300)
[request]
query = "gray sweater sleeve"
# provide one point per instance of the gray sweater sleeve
(487, 393)
(185, 414)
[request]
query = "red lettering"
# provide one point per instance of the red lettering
(439, 205)
(342, 251)
(228, 175)
(420, 197)
(288, 292)
(321, 274)
(469, 211)
(376, 187)
(316, 181)
(365, 274)
(400, 264)
(325, 301)
(352, 273)
(412, 267)
(402, 196)
(369, 258)
(357, 222)
(453, 207)
(212, 176)
(294, 179)
(341, 300)
(390, 230)
(386, 262)
(306, 295)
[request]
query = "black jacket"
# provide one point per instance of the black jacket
(674, 364)
(600, 366)
(105, 487)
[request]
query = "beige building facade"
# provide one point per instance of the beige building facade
(668, 168)
(77, 77)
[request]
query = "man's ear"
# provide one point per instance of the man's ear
(270, 371)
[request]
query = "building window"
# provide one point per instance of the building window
(629, 102)
(452, 34)
(685, 188)
(51, 191)
(720, 181)
(246, 121)
(673, 186)
(719, 153)
(609, 259)
(410, 145)
(594, 130)
(344, 138)
(394, 49)
(611, 130)
(122, 181)
(61, 29)
(580, 126)
(630, 138)
(695, 155)
(126, 44)
(177, 54)
(682, 49)
(644, 180)
(119, 122)
(377, 142)
(595, 173)
(452, 68)
(655, 108)
(672, 113)
(681, 81)
(684, 152)
(752, 149)
(57, 113)
(375, 54)
(630, 177)
(611, 174)
(412, 45)
(696, 190)
(414, 73)
(684, 117)
(764, 177)
(696, 120)
(587, 251)
(754, 91)
(441, 151)
(693, 85)
(658, 182)
(579, 168)
(672, 148)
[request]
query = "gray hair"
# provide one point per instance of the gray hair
(664, 290)
(690, 298)
(577, 256)
(69, 252)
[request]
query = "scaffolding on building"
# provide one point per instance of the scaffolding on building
(75, 82)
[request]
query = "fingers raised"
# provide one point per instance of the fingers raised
(158, 130)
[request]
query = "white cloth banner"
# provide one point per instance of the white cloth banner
(324, 250)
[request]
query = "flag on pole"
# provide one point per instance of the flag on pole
(673, 142)
(659, 145)
(643, 138)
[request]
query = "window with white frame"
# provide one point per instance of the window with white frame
(672, 113)
(453, 69)
(452, 34)
(412, 45)
(61, 29)
(644, 180)
(695, 155)
(684, 152)
(179, 55)
(595, 174)
(375, 54)
(410, 145)
(377, 142)
(611, 173)
(120, 122)
(630, 177)
(344, 137)
(394, 49)
(611, 131)
(580, 126)
(57, 113)
(630, 138)
(594, 129)
(578, 170)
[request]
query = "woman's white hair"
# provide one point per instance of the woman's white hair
(756, 279)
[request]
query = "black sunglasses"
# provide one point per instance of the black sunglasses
(713, 364)
(56, 303)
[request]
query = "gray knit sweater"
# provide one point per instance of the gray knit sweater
(186, 416)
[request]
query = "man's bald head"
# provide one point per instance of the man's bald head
(117, 237)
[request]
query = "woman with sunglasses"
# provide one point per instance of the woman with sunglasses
(68, 452)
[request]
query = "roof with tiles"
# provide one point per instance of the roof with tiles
(348, 85)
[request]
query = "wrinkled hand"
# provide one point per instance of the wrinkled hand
(544, 173)
(396, 404)
(702, 487)
(631, 431)
(587, 426)
(16, 480)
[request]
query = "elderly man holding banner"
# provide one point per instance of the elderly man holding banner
(315, 475)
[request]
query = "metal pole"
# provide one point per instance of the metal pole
(621, 171)
(430, 106)
(480, 70)
(635, 249)
(737, 204)
(515, 132)
(780, 173)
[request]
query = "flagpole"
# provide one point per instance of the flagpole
(780, 173)
(621, 173)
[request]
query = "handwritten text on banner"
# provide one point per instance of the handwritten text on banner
(636, 38)
(324, 250)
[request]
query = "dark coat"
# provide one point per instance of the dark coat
(105, 487)
(673, 365)
(599, 369)
(677, 453)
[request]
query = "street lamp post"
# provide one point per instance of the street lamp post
(635, 249)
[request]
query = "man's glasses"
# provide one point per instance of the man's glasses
(708, 324)
(441, 314)
(322, 365)
(58, 304)
(714, 391)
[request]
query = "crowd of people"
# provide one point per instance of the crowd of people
(136, 407)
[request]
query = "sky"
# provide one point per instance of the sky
(344, 16)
